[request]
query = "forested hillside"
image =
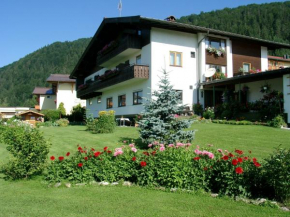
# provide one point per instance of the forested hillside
(267, 21)
(18, 79)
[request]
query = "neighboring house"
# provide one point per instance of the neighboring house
(278, 62)
(9, 112)
(124, 60)
(62, 90)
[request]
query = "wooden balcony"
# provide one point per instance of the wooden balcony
(130, 73)
(128, 45)
(216, 60)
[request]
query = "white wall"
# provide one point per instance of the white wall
(47, 102)
(164, 41)
(286, 93)
(255, 87)
(229, 58)
(66, 93)
(264, 59)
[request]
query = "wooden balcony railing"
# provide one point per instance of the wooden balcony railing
(131, 72)
(130, 41)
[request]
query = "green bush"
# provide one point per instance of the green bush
(208, 113)
(105, 123)
(197, 109)
(62, 122)
(51, 114)
(277, 122)
(28, 148)
(78, 114)
(61, 109)
(277, 175)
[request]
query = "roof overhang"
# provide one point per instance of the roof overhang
(247, 78)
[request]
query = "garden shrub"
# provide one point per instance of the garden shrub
(51, 114)
(105, 123)
(160, 120)
(277, 122)
(78, 114)
(28, 148)
(62, 122)
(46, 124)
(61, 109)
(197, 109)
(277, 175)
(208, 113)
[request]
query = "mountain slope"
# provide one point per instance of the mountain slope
(18, 79)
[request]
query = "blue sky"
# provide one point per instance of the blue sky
(27, 25)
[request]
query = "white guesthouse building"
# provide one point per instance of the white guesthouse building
(126, 56)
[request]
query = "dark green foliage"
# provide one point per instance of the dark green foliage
(78, 114)
(51, 114)
(277, 122)
(159, 118)
(18, 79)
(197, 109)
(268, 21)
(28, 148)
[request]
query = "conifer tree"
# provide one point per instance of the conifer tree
(159, 118)
(61, 109)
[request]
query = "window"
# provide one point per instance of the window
(137, 97)
(246, 67)
(175, 58)
(110, 102)
(90, 102)
(179, 96)
(99, 100)
(217, 43)
(138, 60)
(122, 100)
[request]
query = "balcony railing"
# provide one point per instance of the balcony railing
(95, 88)
(130, 41)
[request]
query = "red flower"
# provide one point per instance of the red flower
(240, 160)
(97, 154)
(254, 159)
(143, 164)
(92, 149)
(146, 153)
(196, 158)
(239, 152)
(80, 164)
(105, 149)
(234, 162)
(134, 159)
(257, 164)
(153, 153)
(239, 170)
(86, 158)
(230, 155)
(67, 154)
(246, 158)
(109, 152)
(205, 168)
(52, 158)
(61, 158)
(80, 148)
(225, 157)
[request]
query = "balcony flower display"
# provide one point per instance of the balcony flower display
(217, 52)
(109, 74)
(107, 48)
(218, 75)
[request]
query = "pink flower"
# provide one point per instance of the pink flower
(179, 144)
(118, 151)
(150, 145)
(124, 141)
(134, 149)
(162, 148)
(131, 145)
(197, 147)
(176, 115)
(156, 143)
(188, 144)
(219, 150)
(196, 151)
(161, 145)
(170, 145)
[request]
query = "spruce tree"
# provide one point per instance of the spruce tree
(159, 118)
(61, 109)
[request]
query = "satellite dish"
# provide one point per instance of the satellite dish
(209, 72)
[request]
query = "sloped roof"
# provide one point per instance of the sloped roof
(42, 91)
(278, 58)
(30, 111)
(60, 78)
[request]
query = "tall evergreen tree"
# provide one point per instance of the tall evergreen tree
(160, 122)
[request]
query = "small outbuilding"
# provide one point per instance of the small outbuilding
(31, 117)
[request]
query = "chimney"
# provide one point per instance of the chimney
(170, 19)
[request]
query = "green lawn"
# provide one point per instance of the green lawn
(34, 198)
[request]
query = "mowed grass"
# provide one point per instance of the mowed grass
(34, 198)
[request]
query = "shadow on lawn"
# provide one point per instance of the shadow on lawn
(138, 142)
